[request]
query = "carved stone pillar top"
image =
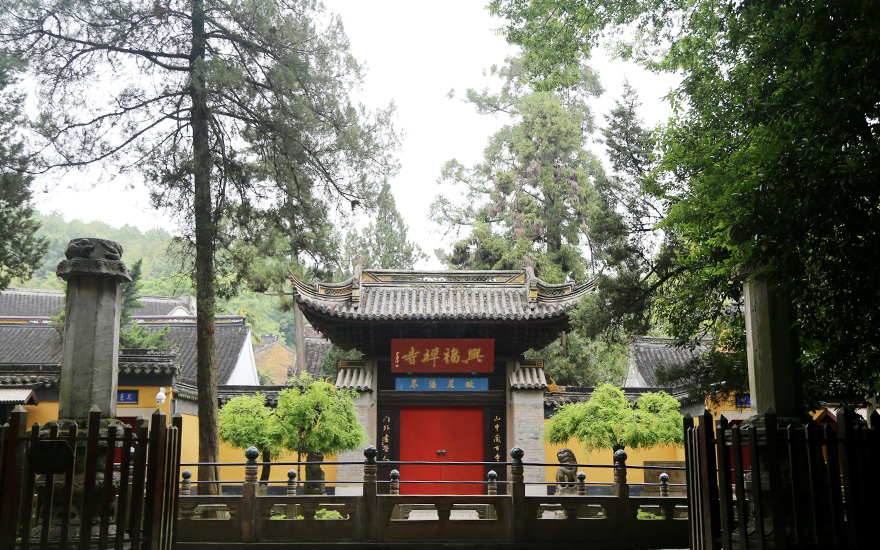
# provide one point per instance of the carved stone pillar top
(743, 272)
(89, 256)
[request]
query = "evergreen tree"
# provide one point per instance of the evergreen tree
(137, 336)
(383, 242)
(771, 159)
(227, 109)
(20, 247)
(532, 194)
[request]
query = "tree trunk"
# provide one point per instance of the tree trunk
(264, 473)
(206, 361)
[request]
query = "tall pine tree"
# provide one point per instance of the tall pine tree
(226, 109)
(532, 194)
(384, 242)
(20, 247)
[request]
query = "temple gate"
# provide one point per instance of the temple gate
(443, 377)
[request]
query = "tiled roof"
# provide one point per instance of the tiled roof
(49, 380)
(355, 378)
(528, 378)
(148, 361)
(453, 295)
(164, 305)
(26, 302)
(376, 305)
(648, 353)
(17, 396)
(30, 345)
(230, 338)
(225, 393)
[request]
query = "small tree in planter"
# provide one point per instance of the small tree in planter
(246, 421)
(317, 416)
(310, 416)
(609, 421)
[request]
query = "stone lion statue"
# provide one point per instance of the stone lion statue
(98, 249)
(314, 474)
(566, 475)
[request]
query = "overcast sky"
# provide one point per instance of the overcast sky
(415, 52)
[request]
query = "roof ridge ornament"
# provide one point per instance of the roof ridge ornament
(356, 280)
(531, 281)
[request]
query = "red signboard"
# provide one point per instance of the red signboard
(442, 355)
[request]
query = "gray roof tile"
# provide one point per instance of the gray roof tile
(648, 353)
(24, 345)
(26, 302)
(30, 345)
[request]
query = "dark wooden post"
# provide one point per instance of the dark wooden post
(693, 482)
(156, 478)
(518, 492)
(174, 450)
(11, 475)
(87, 506)
(248, 496)
(852, 480)
(708, 480)
(722, 452)
(370, 498)
(774, 475)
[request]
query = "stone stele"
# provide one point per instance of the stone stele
(93, 271)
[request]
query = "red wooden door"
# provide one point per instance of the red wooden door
(457, 433)
(421, 430)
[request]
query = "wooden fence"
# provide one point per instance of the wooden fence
(372, 520)
(807, 487)
(103, 487)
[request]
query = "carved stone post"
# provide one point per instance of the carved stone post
(492, 476)
(772, 348)
(621, 488)
(370, 498)
(93, 271)
(664, 484)
(291, 483)
(775, 386)
(291, 492)
(518, 492)
(186, 484)
(395, 483)
(582, 484)
(248, 496)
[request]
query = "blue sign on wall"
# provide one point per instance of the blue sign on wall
(441, 383)
(743, 401)
(126, 396)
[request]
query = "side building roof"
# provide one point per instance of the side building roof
(27, 302)
(648, 354)
(29, 349)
